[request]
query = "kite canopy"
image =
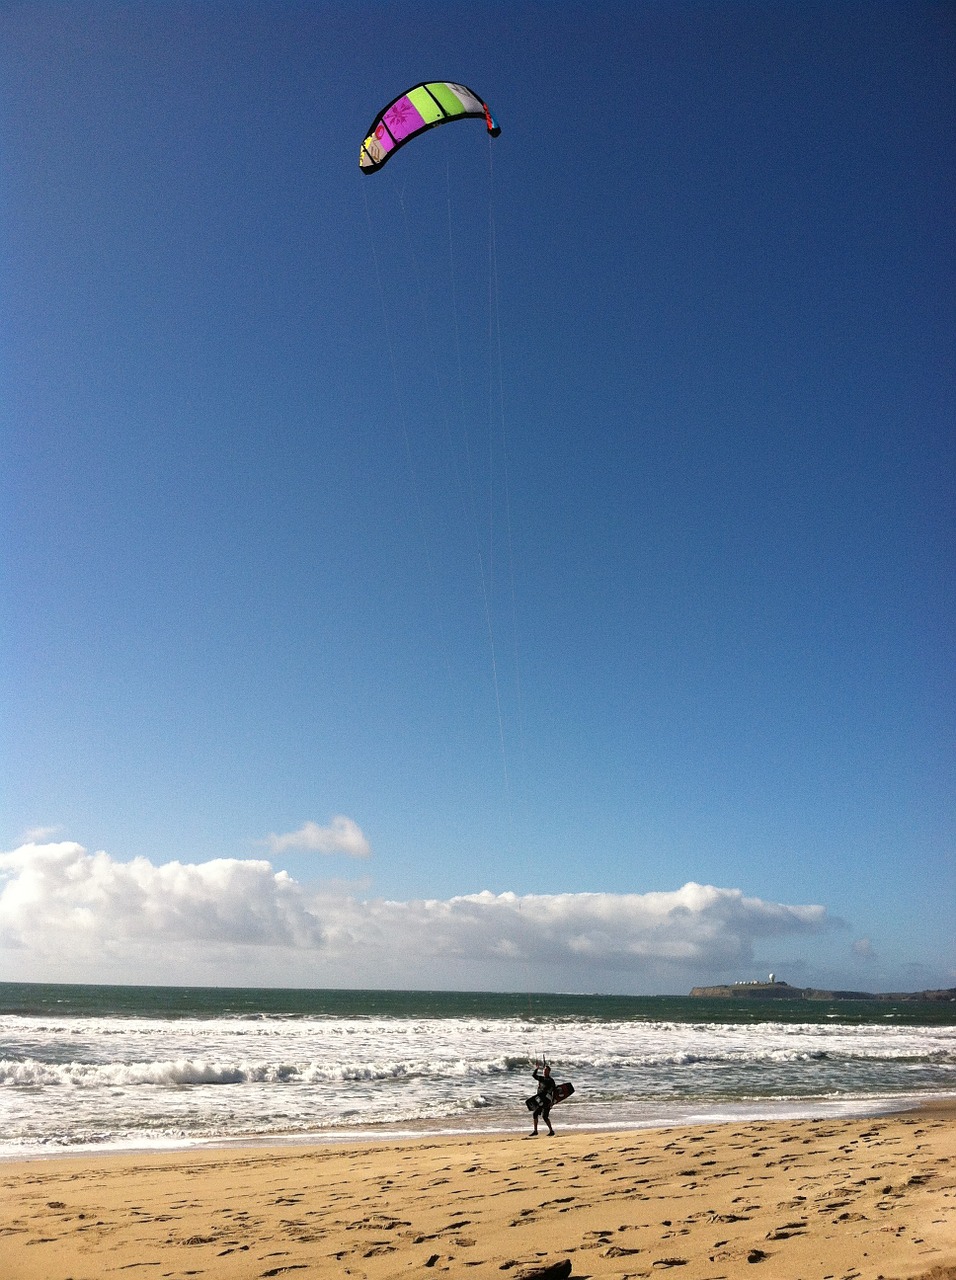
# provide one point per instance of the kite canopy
(425, 106)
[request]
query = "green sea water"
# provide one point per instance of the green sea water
(33, 999)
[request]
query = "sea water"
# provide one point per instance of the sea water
(103, 1068)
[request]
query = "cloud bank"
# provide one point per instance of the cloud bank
(64, 910)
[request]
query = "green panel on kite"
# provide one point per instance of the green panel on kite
(448, 100)
(426, 106)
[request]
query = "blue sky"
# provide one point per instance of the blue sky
(567, 517)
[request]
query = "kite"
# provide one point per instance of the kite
(425, 106)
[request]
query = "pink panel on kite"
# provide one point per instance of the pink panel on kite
(402, 119)
(383, 138)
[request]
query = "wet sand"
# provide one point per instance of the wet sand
(790, 1200)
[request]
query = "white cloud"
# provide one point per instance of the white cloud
(342, 835)
(63, 909)
(36, 835)
(60, 898)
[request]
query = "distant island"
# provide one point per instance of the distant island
(774, 990)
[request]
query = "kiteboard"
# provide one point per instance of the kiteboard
(561, 1092)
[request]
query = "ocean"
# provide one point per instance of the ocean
(101, 1068)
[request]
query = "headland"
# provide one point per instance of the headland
(775, 990)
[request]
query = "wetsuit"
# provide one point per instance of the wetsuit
(546, 1088)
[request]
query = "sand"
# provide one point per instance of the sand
(793, 1200)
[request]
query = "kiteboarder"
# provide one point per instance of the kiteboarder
(544, 1100)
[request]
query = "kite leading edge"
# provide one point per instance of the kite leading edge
(424, 106)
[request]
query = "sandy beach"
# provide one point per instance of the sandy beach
(796, 1200)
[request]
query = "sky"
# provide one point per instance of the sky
(528, 567)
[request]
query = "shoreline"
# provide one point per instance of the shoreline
(682, 1116)
(861, 1197)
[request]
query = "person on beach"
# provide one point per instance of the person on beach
(542, 1108)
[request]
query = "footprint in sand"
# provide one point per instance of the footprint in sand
(787, 1230)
